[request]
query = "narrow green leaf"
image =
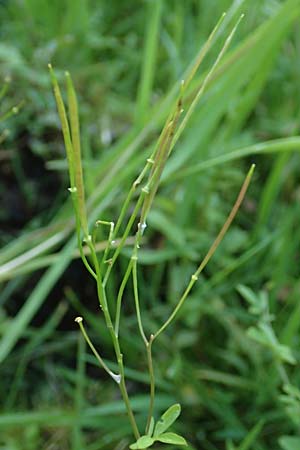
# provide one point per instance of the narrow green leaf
(247, 293)
(262, 148)
(289, 443)
(151, 427)
(264, 335)
(230, 446)
(171, 438)
(285, 354)
(292, 391)
(35, 300)
(167, 419)
(258, 302)
(251, 436)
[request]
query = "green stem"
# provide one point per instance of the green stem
(133, 188)
(120, 297)
(114, 376)
(136, 298)
(210, 252)
(148, 344)
(72, 144)
(160, 159)
(109, 240)
(205, 82)
(115, 341)
(79, 240)
(124, 237)
(191, 71)
(124, 393)
(152, 381)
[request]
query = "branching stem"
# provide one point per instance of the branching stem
(154, 166)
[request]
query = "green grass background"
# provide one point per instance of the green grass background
(125, 59)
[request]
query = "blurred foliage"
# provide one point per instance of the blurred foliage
(232, 358)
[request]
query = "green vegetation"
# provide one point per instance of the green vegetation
(231, 359)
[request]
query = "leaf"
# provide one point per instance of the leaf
(171, 438)
(176, 235)
(142, 442)
(285, 354)
(257, 335)
(258, 304)
(291, 401)
(289, 443)
(248, 294)
(292, 391)
(230, 446)
(265, 336)
(251, 436)
(167, 419)
(151, 427)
